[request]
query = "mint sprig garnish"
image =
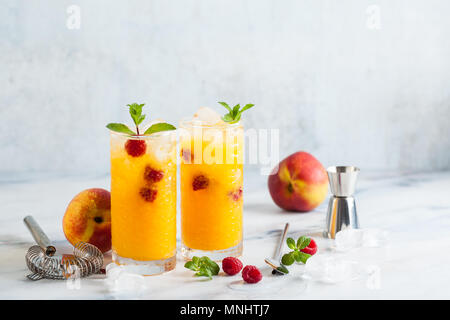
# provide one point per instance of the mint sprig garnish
(203, 266)
(135, 110)
(296, 255)
(136, 114)
(234, 114)
(119, 127)
(158, 127)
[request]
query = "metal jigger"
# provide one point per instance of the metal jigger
(341, 212)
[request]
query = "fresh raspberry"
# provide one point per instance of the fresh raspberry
(135, 148)
(311, 248)
(236, 195)
(200, 182)
(231, 265)
(148, 194)
(251, 274)
(153, 175)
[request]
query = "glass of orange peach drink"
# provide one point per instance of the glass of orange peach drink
(143, 201)
(211, 186)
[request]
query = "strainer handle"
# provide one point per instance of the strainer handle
(39, 236)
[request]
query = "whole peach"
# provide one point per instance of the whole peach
(299, 184)
(88, 218)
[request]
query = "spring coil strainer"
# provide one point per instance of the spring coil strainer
(43, 261)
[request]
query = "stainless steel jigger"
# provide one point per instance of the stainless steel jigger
(341, 212)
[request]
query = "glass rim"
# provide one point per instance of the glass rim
(142, 136)
(189, 123)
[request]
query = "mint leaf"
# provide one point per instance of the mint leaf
(226, 106)
(228, 117)
(119, 127)
(290, 243)
(236, 110)
(246, 107)
(296, 255)
(204, 272)
(203, 266)
(158, 127)
(303, 242)
(288, 259)
(191, 265)
(234, 115)
(136, 113)
(196, 260)
(236, 118)
(212, 266)
(283, 269)
(303, 257)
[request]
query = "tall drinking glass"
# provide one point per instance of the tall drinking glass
(143, 201)
(211, 174)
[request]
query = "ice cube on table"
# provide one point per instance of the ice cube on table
(118, 280)
(348, 239)
(207, 116)
(331, 268)
(375, 237)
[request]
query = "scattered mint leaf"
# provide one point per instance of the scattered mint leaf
(191, 265)
(303, 242)
(158, 127)
(283, 269)
(234, 115)
(290, 243)
(303, 257)
(203, 266)
(288, 259)
(195, 260)
(214, 267)
(296, 254)
(119, 127)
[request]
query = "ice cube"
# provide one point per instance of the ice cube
(207, 116)
(348, 239)
(113, 271)
(118, 280)
(374, 237)
(331, 268)
(164, 147)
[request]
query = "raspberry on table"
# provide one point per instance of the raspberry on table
(311, 248)
(200, 182)
(148, 194)
(135, 148)
(153, 175)
(251, 274)
(231, 265)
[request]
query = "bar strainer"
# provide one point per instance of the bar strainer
(44, 262)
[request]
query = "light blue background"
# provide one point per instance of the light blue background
(348, 94)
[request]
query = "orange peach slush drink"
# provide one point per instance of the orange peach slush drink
(143, 199)
(211, 174)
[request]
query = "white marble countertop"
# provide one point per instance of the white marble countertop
(413, 208)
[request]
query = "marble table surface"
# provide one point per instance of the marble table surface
(413, 208)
